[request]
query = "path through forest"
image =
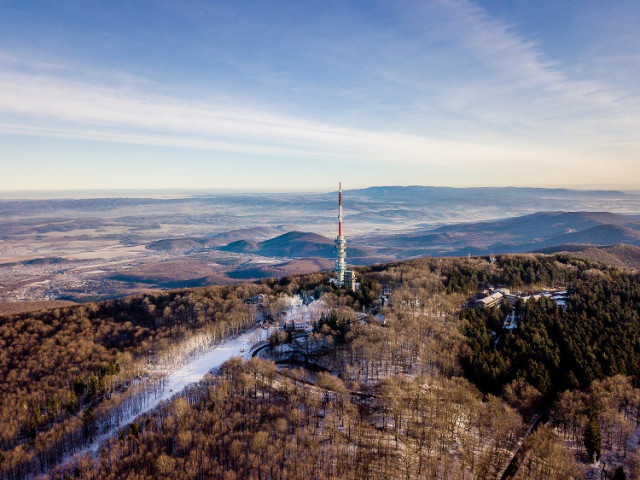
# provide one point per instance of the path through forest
(193, 371)
(515, 462)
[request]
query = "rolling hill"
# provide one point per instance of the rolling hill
(198, 244)
(241, 246)
(599, 235)
(296, 244)
(517, 234)
(292, 267)
(624, 256)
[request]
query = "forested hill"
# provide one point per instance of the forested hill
(295, 245)
(397, 380)
(517, 234)
(624, 256)
(66, 371)
(596, 336)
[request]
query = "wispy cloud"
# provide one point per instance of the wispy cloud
(441, 84)
(40, 105)
(511, 81)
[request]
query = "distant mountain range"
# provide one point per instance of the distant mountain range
(79, 247)
(512, 235)
(198, 244)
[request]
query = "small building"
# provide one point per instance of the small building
(256, 299)
(350, 279)
(491, 297)
(490, 300)
(512, 298)
(297, 325)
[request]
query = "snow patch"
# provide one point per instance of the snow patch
(174, 383)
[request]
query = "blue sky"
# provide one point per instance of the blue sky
(295, 95)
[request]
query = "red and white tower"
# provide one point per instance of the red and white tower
(341, 244)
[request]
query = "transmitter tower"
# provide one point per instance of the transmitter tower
(341, 244)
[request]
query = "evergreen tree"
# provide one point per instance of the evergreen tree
(619, 474)
(592, 439)
(93, 386)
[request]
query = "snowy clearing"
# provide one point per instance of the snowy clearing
(192, 372)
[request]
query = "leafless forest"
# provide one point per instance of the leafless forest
(397, 380)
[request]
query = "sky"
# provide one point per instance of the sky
(293, 96)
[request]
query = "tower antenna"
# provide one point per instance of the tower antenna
(341, 247)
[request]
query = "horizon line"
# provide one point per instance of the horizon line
(22, 194)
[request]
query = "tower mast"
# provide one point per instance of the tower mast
(341, 249)
(339, 209)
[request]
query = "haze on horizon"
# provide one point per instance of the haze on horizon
(284, 96)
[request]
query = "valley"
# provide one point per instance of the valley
(96, 248)
(319, 240)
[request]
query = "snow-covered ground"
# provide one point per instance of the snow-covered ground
(201, 362)
(310, 313)
(200, 365)
(195, 370)
(510, 323)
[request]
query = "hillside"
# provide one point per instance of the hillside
(608, 234)
(252, 233)
(12, 308)
(198, 244)
(241, 246)
(296, 244)
(360, 390)
(356, 393)
(518, 234)
(623, 256)
(546, 223)
(177, 245)
(293, 267)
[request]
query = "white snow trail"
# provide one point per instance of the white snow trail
(193, 371)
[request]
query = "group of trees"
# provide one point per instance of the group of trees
(69, 374)
(250, 422)
(603, 417)
(569, 355)
(596, 336)
(516, 271)
(419, 391)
